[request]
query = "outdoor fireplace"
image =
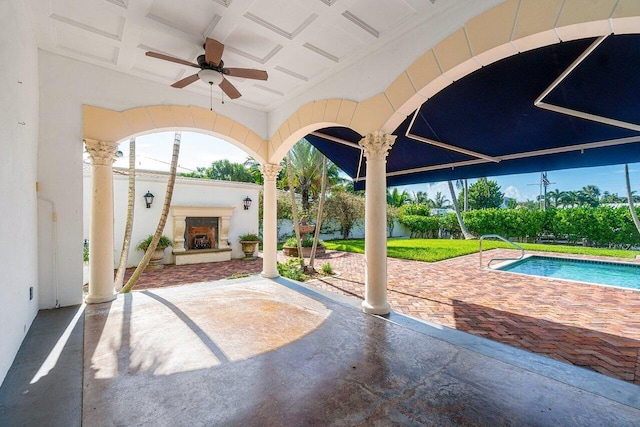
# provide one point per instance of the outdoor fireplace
(201, 234)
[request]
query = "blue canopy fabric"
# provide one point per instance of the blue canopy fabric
(492, 112)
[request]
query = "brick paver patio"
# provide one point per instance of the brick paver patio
(596, 327)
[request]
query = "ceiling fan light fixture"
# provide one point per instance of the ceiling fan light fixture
(212, 77)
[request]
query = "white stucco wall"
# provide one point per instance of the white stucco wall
(187, 192)
(285, 230)
(65, 85)
(18, 198)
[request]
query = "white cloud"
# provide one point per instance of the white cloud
(513, 192)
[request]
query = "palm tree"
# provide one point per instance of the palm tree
(316, 234)
(421, 197)
(569, 198)
(555, 196)
(590, 195)
(465, 232)
(441, 201)
(632, 208)
(126, 242)
(294, 208)
(396, 198)
(463, 184)
(163, 219)
(306, 162)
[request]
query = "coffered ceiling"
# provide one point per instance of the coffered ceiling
(299, 43)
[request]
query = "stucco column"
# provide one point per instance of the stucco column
(103, 154)
(376, 147)
(270, 221)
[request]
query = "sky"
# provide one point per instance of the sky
(153, 152)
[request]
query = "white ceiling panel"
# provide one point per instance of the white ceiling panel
(283, 17)
(249, 45)
(164, 69)
(298, 42)
(70, 39)
(76, 13)
(194, 16)
(152, 38)
(305, 62)
(334, 40)
(378, 16)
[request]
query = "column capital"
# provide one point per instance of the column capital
(270, 171)
(101, 152)
(376, 145)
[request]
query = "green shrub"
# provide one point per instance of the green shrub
(415, 209)
(164, 242)
(291, 269)
(327, 269)
(599, 226)
(307, 242)
(421, 226)
(249, 237)
(85, 253)
(449, 223)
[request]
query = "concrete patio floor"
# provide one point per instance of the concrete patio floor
(596, 327)
(255, 351)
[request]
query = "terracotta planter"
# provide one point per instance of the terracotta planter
(292, 251)
(249, 248)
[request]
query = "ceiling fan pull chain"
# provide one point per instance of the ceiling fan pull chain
(211, 96)
(222, 96)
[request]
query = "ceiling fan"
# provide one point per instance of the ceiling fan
(212, 69)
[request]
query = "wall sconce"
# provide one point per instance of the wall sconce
(148, 198)
(247, 203)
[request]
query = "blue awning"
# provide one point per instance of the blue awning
(490, 118)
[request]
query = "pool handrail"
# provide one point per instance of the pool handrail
(497, 236)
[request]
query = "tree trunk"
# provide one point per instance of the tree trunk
(634, 214)
(316, 235)
(466, 195)
(467, 235)
(163, 219)
(294, 209)
(126, 242)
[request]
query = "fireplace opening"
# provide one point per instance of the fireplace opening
(201, 233)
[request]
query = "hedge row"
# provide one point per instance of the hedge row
(600, 226)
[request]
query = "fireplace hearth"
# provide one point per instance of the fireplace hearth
(201, 234)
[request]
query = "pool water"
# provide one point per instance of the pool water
(598, 272)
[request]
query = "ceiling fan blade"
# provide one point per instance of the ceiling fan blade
(213, 51)
(171, 59)
(229, 89)
(246, 73)
(185, 82)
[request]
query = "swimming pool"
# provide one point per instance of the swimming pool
(597, 272)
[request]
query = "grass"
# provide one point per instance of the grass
(432, 250)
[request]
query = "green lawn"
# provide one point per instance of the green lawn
(432, 250)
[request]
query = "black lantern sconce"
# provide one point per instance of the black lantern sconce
(148, 198)
(247, 203)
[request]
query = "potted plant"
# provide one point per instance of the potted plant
(249, 243)
(158, 254)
